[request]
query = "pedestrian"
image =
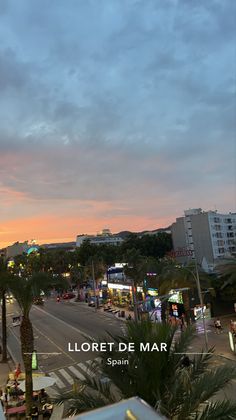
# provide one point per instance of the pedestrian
(17, 371)
(218, 326)
(232, 327)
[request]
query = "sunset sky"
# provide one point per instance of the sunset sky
(114, 113)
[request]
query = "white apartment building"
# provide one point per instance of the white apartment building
(104, 237)
(210, 235)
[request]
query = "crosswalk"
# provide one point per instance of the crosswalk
(64, 377)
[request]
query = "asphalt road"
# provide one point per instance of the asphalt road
(58, 324)
(55, 326)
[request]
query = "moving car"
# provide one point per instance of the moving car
(68, 295)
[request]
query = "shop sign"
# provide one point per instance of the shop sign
(180, 253)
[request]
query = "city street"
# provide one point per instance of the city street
(55, 326)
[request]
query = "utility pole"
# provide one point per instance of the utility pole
(94, 287)
(136, 318)
(201, 301)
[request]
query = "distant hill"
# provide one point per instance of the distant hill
(125, 233)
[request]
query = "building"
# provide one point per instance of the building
(105, 237)
(18, 248)
(210, 236)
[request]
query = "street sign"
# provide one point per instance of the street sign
(181, 253)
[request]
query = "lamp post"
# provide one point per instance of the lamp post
(197, 280)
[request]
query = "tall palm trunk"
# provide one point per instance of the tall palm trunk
(4, 327)
(27, 347)
(164, 308)
(186, 302)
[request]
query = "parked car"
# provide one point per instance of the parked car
(68, 295)
(91, 301)
(16, 320)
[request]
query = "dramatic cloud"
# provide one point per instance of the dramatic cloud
(118, 114)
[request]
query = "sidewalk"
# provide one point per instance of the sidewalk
(4, 371)
(5, 368)
(109, 314)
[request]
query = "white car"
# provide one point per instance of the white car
(16, 320)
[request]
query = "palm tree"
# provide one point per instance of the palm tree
(174, 276)
(135, 270)
(158, 377)
(4, 283)
(25, 289)
(227, 271)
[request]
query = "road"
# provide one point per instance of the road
(55, 326)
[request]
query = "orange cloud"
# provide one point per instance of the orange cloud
(62, 229)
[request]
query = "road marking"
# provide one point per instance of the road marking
(17, 338)
(76, 373)
(51, 353)
(86, 369)
(67, 377)
(64, 323)
(52, 342)
(58, 381)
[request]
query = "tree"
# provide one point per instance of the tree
(25, 289)
(158, 377)
(155, 246)
(175, 276)
(5, 277)
(227, 273)
(135, 270)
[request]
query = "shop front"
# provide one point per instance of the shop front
(198, 311)
(119, 295)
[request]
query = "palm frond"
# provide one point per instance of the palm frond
(201, 362)
(220, 410)
(92, 393)
(206, 386)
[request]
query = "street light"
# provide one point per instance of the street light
(197, 280)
